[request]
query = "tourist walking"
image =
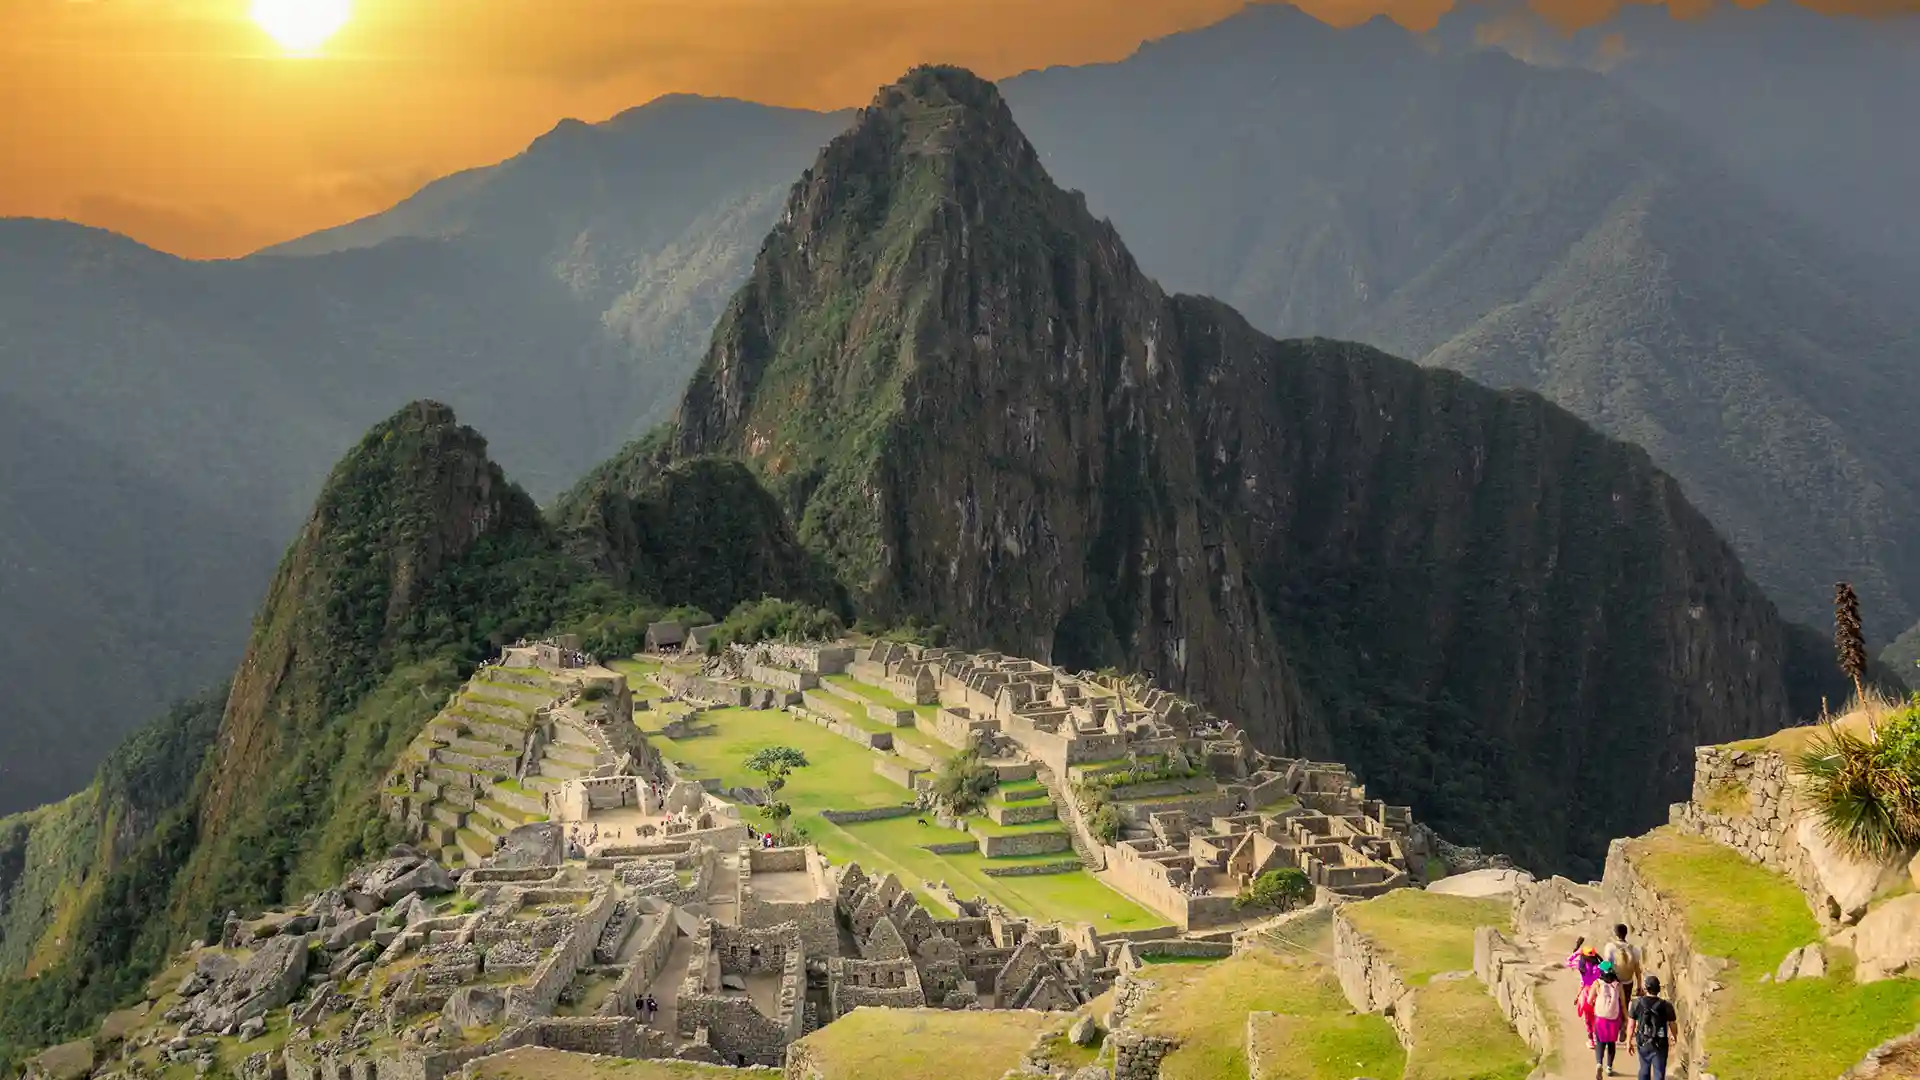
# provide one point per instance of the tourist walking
(1604, 1007)
(1650, 1024)
(1586, 962)
(1625, 958)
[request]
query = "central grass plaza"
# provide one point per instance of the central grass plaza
(840, 776)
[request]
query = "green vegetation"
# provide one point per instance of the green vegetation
(1425, 933)
(841, 777)
(768, 619)
(1805, 1029)
(1285, 888)
(1324, 1046)
(963, 783)
(1866, 789)
(1206, 1007)
(540, 1063)
(922, 1044)
(1459, 1034)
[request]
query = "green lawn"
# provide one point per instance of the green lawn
(1458, 1031)
(1426, 933)
(1205, 1007)
(923, 1044)
(1806, 1029)
(840, 776)
(871, 693)
(1459, 1034)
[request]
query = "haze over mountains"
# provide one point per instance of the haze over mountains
(1532, 227)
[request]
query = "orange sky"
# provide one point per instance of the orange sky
(179, 123)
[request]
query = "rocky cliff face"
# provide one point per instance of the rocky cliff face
(980, 412)
(418, 554)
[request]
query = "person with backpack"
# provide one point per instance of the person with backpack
(1650, 1023)
(1586, 962)
(1625, 959)
(1603, 1004)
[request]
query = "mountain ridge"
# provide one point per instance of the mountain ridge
(982, 413)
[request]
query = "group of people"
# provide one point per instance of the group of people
(1616, 1004)
(648, 1008)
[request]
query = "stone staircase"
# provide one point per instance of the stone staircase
(1069, 814)
(486, 762)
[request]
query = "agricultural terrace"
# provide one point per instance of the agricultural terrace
(1803, 1029)
(1307, 1031)
(840, 776)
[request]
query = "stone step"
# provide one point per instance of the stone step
(448, 814)
(473, 849)
(560, 770)
(505, 818)
(489, 831)
(526, 801)
(440, 834)
(585, 757)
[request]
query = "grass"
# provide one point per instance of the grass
(1425, 933)
(1806, 1029)
(840, 776)
(1205, 1007)
(1021, 791)
(872, 693)
(1725, 798)
(1459, 1034)
(1323, 1047)
(1061, 1052)
(921, 1044)
(540, 1063)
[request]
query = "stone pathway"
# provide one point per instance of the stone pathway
(666, 988)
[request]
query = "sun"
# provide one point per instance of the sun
(301, 26)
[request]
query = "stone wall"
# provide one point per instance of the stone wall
(818, 929)
(878, 813)
(872, 740)
(899, 771)
(1031, 843)
(1516, 985)
(796, 681)
(1369, 979)
(538, 996)
(1064, 866)
(656, 935)
(1744, 800)
(1137, 1055)
(1021, 813)
(1687, 977)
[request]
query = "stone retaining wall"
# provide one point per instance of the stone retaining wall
(1516, 985)
(1064, 866)
(1744, 800)
(898, 771)
(796, 681)
(872, 740)
(538, 996)
(1033, 843)
(649, 957)
(957, 847)
(1687, 977)
(1369, 979)
(1021, 813)
(879, 813)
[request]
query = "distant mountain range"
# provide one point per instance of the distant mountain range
(1532, 226)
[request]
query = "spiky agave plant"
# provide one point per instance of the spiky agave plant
(1867, 791)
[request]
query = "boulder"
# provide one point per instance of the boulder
(1084, 1032)
(475, 1006)
(1887, 940)
(268, 980)
(1849, 881)
(351, 933)
(732, 982)
(1805, 962)
(1491, 882)
(422, 878)
(252, 1028)
(540, 844)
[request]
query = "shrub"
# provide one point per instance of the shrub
(1105, 822)
(1866, 791)
(1285, 888)
(964, 782)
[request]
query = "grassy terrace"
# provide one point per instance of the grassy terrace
(923, 1044)
(840, 776)
(540, 1063)
(872, 693)
(1021, 792)
(1806, 1029)
(1315, 1035)
(1458, 1031)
